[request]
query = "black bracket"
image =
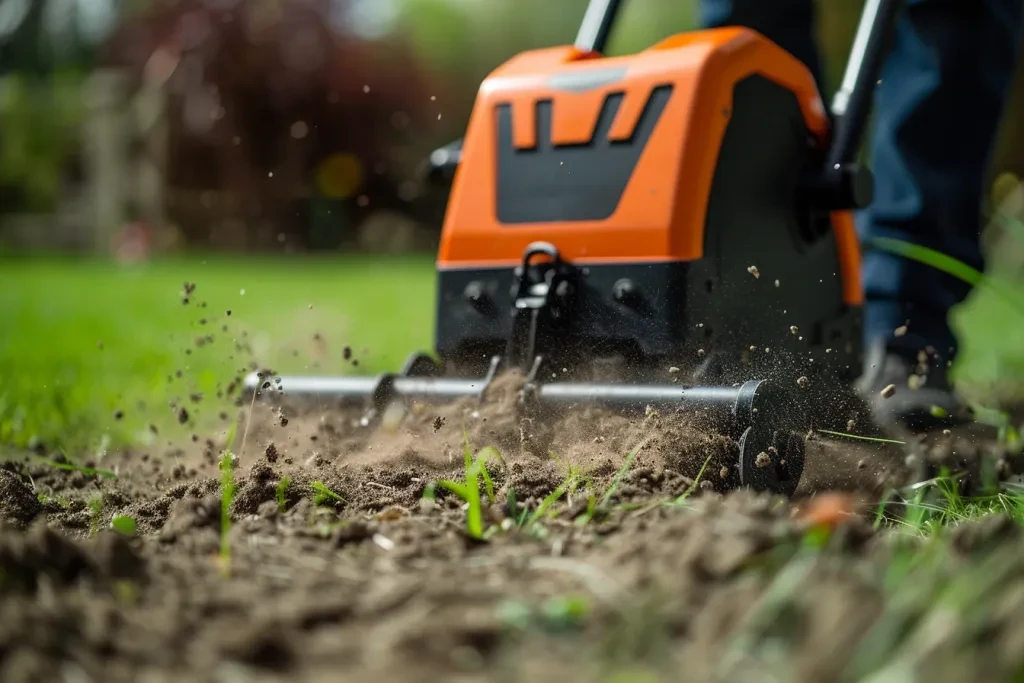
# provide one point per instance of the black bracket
(542, 299)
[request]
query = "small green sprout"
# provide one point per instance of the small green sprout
(281, 491)
(227, 496)
(469, 490)
(323, 495)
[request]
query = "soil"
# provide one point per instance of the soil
(334, 565)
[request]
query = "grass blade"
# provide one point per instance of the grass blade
(946, 264)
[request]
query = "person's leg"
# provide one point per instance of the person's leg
(788, 23)
(938, 107)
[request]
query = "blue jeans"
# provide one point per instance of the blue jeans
(937, 112)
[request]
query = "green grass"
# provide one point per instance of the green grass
(82, 340)
(90, 352)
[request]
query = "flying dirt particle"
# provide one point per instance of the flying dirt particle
(189, 287)
(438, 423)
(915, 382)
(311, 307)
(223, 416)
(723, 473)
(346, 353)
(754, 271)
(99, 345)
(700, 352)
(185, 300)
(888, 391)
(850, 425)
(182, 415)
(861, 464)
(946, 432)
(241, 292)
(762, 460)
(271, 453)
(355, 362)
(202, 304)
(753, 348)
(776, 283)
(802, 382)
(202, 321)
(228, 313)
(118, 414)
(195, 438)
(196, 398)
(673, 370)
(899, 331)
(153, 429)
(282, 420)
(793, 329)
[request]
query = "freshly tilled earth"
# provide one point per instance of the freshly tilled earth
(331, 563)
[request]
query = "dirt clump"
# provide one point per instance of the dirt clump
(18, 504)
(341, 544)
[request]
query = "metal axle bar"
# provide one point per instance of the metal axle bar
(734, 404)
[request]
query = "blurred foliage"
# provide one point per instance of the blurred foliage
(240, 64)
(278, 102)
(39, 120)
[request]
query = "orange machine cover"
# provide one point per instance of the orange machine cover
(660, 216)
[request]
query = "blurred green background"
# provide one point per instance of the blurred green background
(268, 151)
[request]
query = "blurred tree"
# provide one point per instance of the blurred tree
(276, 102)
(46, 47)
(38, 37)
(38, 139)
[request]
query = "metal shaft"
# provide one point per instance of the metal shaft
(362, 388)
(597, 25)
(735, 405)
(851, 105)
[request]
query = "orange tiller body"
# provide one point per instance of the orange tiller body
(660, 216)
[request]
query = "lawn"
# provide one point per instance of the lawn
(921, 587)
(93, 354)
(90, 352)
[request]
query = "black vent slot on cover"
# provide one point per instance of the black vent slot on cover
(578, 182)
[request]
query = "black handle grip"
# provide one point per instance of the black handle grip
(851, 105)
